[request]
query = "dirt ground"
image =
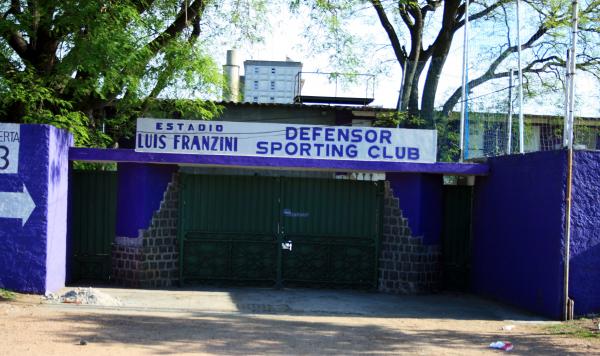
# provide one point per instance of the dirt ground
(28, 327)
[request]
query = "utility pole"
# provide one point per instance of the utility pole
(520, 69)
(510, 113)
(463, 102)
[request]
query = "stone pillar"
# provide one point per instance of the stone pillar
(146, 252)
(410, 256)
(34, 170)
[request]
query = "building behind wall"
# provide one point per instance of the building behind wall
(270, 81)
(488, 133)
(262, 82)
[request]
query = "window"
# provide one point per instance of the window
(256, 70)
(273, 70)
(272, 85)
(255, 99)
(272, 98)
(255, 84)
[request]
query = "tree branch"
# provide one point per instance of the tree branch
(194, 10)
(16, 42)
(142, 5)
(461, 13)
(193, 13)
(390, 31)
(196, 30)
(15, 8)
(405, 17)
(490, 72)
(431, 5)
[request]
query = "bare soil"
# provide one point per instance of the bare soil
(28, 327)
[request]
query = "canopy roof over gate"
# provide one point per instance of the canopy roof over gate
(129, 155)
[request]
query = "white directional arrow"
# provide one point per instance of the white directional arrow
(16, 205)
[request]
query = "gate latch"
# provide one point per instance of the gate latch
(286, 245)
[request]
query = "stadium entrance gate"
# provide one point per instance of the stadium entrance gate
(276, 230)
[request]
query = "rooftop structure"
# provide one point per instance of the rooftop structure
(270, 81)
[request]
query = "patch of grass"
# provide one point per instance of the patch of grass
(580, 328)
(7, 295)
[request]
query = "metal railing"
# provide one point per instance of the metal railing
(333, 87)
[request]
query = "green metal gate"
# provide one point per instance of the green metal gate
(235, 229)
(93, 215)
(332, 225)
(226, 228)
(456, 237)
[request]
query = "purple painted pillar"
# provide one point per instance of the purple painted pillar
(584, 277)
(141, 189)
(33, 207)
(420, 199)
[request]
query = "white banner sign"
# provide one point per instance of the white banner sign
(286, 140)
(9, 148)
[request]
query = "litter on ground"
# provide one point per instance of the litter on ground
(501, 345)
(84, 296)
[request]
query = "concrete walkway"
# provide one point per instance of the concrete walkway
(313, 302)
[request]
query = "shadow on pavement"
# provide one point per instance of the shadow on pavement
(238, 334)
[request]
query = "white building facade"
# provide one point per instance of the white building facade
(270, 81)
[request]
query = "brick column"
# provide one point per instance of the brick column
(406, 264)
(152, 259)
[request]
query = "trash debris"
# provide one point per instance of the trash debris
(501, 345)
(508, 327)
(86, 296)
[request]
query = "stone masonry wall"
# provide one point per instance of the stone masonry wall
(152, 259)
(406, 265)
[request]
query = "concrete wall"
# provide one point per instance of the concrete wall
(518, 217)
(33, 248)
(584, 277)
(519, 232)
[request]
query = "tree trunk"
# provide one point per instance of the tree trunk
(431, 85)
(413, 101)
(439, 54)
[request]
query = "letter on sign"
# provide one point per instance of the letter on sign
(9, 148)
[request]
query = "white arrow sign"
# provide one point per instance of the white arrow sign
(16, 205)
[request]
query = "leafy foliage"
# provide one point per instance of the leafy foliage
(420, 35)
(447, 128)
(92, 66)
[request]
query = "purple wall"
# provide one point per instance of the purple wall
(32, 255)
(584, 276)
(141, 189)
(58, 190)
(518, 220)
(420, 198)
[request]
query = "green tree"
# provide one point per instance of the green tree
(421, 33)
(86, 65)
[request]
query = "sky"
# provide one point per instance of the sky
(286, 40)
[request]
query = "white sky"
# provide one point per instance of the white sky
(286, 40)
